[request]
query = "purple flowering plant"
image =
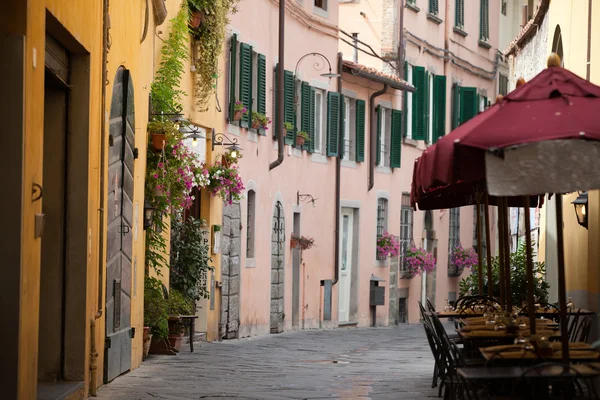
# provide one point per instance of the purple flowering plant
(239, 106)
(463, 258)
(387, 245)
(225, 182)
(418, 260)
(261, 120)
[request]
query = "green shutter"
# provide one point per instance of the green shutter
(468, 103)
(276, 101)
(459, 17)
(311, 132)
(333, 116)
(305, 112)
(246, 82)
(433, 7)
(289, 112)
(455, 106)
(485, 103)
(419, 99)
(360, 130)
(396, 134)
(232, 73)
(261, 85)
(405, 101)
(484, 20)
(342, 144)
(378, 157)
(439, 107)
(426, 110)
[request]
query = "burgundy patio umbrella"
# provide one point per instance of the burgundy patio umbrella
(542, 138)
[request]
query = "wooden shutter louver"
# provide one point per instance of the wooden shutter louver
(232, 75)
(245, 93)
(439, 107)
(396, 137)
(333, 116)
(360, 130)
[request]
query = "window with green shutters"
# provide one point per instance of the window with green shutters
(468, 104)
(288, 101)
(439, 107)
(305, 111)
(232, 74)
(379, 116)
(419, 103)
(360, 130)
(407, 102)
(455, 106)
(312, 133)
(433, 7)
(343, 132)
(484, 21)
(261, 85)
(333, 116)
(396, 139)
(384, 133)
(459, 14)
(245, 86)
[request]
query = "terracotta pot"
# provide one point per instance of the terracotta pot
(158, 141)
(170, 346)
(256, 125)
(147, 341)
(300, 141)
(159, 192)
(237, 115)
(197, 19)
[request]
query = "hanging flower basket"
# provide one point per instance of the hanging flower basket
(387, 245)
(158, 141)
(301, 242)
(197, 19)
(417, 261)
(407, 272)
(461, 258)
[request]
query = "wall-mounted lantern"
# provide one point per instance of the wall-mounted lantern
(581, 205)
(148, 214)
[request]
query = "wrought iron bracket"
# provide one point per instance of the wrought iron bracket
(305, 198)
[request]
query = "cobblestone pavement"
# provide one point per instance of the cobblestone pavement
(356, 363)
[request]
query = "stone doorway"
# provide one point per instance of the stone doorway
(277, 269)
(230, 271)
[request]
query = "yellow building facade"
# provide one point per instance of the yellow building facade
(74, 175)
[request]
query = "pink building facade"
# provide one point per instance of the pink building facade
(269, 287)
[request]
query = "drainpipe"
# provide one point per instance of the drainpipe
(338, 172)
(589, 41)
(400, 54)
(103, 141)
(280, 83)
(373, 135)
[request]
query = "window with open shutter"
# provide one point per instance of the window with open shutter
(360, 130)
(468, 104)
(288, 101)
(427, 108)
(439, 107)
(455, 105)
(276, 102)
(484, 21)
(418, 104)
(232, 74)
(343, 132)
(312, 127)
(396, 147)
(459, 16)
(261, 84)
(305, 113)
(405, 97)
(333, 115)
(433, 7)
(379, 111)
(245, 93)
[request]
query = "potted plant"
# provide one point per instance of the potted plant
(301, 242)
(155, 313)
(418, 260)
(387, 245)
(461, 258)
(259, 120)
(301, 137)
(161, 132)
(228, 160)
(226, 182)
(239, 110)
(287, 127)
(199, 10)
(175, 306)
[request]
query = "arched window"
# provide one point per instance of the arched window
(557, 45)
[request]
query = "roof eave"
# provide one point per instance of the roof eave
(380, 79)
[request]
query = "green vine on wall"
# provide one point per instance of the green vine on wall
(209, 43)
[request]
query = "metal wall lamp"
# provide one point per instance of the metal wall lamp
(219, 139)
(581, 211)
(305, 198)
(318, 66)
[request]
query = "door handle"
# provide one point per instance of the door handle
(124, 229)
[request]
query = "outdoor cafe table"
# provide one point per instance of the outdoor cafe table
(516, 372)
(540, 313)
(513, 353)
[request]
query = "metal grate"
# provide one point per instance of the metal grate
(381, 219)
(402, 311)
(406, 228)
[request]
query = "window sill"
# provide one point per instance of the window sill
(459, 31)
(484, 44)
(412, 7)
(252, 136)
(250, 262)
(234, 130)
(384, 170)
(320, 12)
(434, 18)
(318, 158)
(411, 142)
(349, 164)
(381, 263)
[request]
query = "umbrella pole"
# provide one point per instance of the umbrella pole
(530, 302)
(562, 290)
(488, 247)
(501, 251)
(508, 293)
(479, 248)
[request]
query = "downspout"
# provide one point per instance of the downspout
(338, 172)
(103, 141)
(280, 83)
(400, 54)
(589, 42)
(373, 135)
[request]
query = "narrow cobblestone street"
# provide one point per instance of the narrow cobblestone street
(369, 363)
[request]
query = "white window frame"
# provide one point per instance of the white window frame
(409, 98)
(254, 88)
(430, 124)
(347, 130)
(481, 103)
(319, 120)
(382, 141)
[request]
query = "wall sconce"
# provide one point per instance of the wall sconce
(148, 214)
(218, 139)
(581, 211)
